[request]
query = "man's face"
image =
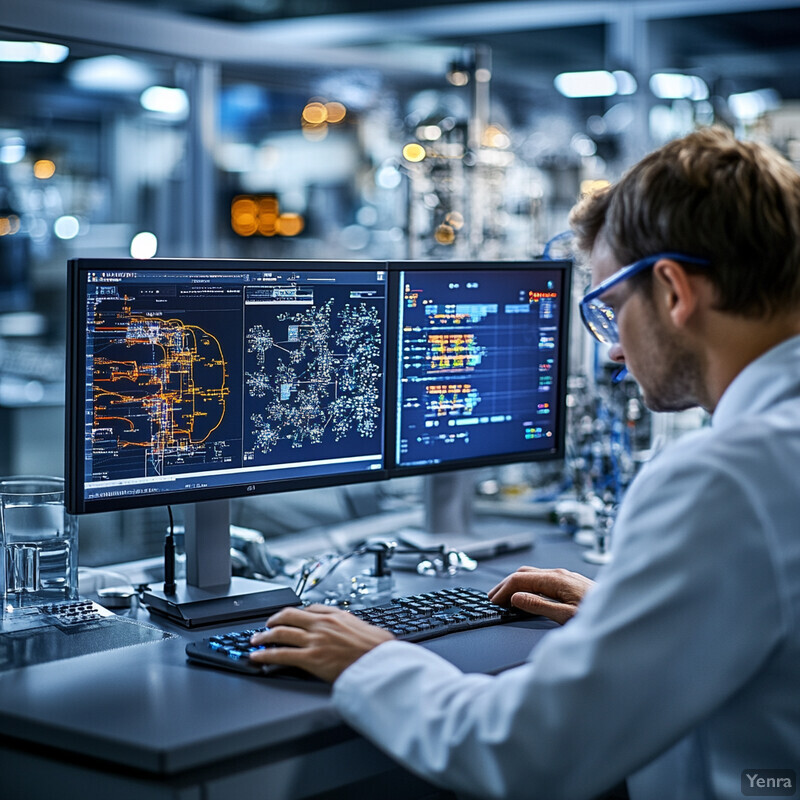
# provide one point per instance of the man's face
(667, 372)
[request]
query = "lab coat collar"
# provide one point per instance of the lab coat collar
(771, 378)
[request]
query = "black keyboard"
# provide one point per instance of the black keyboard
(413, 619)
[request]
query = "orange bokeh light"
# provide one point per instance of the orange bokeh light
(445, 234)
(251, 215)
(336, 112)
(44, 169)
(315, 113)
(290, 224)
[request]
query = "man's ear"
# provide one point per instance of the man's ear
(675, 290)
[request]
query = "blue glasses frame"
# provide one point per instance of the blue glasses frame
(598, 317)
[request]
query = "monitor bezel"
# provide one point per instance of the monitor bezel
(476, 462)
(75, 408)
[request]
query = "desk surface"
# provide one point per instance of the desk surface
(143, 707)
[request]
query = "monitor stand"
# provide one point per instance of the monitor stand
(210, 595)
(448, 500)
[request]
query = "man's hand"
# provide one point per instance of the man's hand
(319, 639)
(553, 593)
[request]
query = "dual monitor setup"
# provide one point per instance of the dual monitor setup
(198, 381)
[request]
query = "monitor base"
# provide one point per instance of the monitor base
(242, 598)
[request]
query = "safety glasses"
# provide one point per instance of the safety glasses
(598, 317)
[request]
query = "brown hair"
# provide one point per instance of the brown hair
(709, 195)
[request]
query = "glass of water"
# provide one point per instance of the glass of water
(39, 543)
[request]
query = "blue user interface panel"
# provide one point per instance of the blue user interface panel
(199, 379)
(480, 364)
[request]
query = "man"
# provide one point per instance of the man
(679, 670)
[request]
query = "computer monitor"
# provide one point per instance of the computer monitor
(190, 381)
(479, 368)
(196, 381)
(478, 377)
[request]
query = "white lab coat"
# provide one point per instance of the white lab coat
(681, 669)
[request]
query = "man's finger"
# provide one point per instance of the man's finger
(518, 582)
(281, 635)
(300, 617)
(535, 604)
(319, 608)
(532, 603)
(288, 656)
(495, 589)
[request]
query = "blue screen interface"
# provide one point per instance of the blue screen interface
(196, 378)
(478, 363)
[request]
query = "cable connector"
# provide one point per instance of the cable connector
(169, 557)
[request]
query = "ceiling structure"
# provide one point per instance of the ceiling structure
(735, 46)
(742, 44)
(267, 10)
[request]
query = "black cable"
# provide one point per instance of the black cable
(169, 556)
(301, 584)
(308, 572)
